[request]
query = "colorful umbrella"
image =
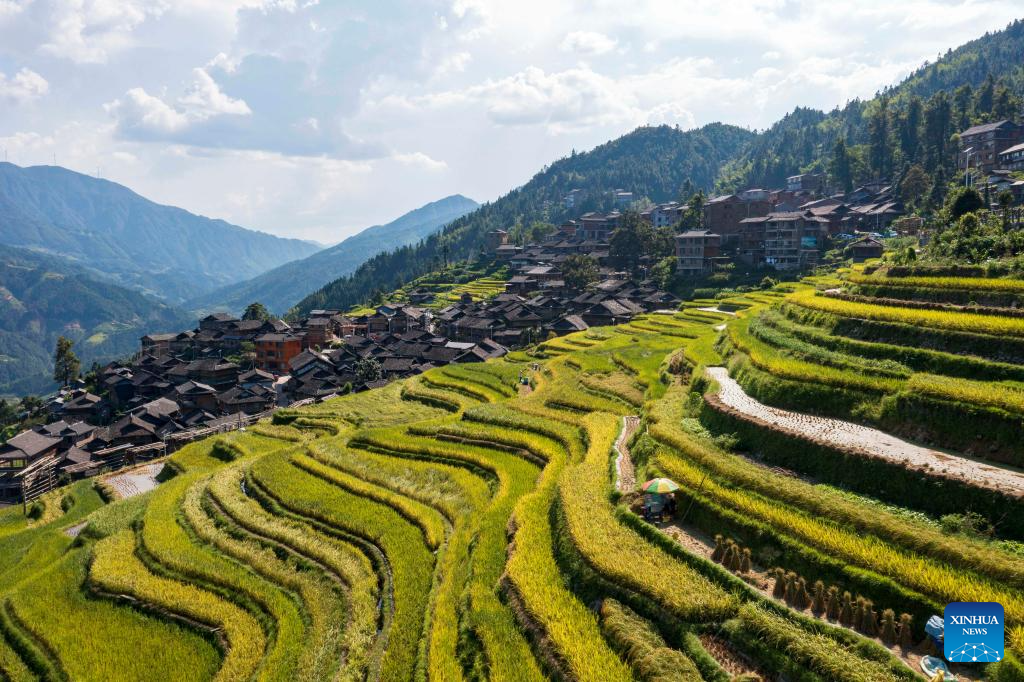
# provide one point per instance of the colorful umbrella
(660, 485)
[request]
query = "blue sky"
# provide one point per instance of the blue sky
(317, 119)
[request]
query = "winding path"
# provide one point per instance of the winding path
(864, 440)
(625, 481)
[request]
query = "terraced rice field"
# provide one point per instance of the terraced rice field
(453, 527)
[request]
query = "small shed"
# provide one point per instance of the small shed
(863, 249)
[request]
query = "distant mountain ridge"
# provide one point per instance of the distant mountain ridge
(43, 297)
(279, 289)
(653, 161)
(112, 231)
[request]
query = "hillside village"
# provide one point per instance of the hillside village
(227, 372)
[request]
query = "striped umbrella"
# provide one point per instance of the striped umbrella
(660, 485)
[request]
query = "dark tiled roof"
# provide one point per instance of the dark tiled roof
(986, 128)
(27, 443)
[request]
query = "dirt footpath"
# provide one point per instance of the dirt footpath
(864, 440)
(135, 481)
(625, 482)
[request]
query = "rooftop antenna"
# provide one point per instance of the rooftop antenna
(55, 158)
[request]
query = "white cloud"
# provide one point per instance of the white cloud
(576, 98)
(9, 8)
(24, 86)
(205, 99)
(671, 113)
(140, 114)
(588, 43)
(223, 62)
(420, 160)
(453, 63)
(89, 31)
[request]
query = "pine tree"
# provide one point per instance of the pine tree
(985, 98)
(910, 130)
(256, 311)
(937, 119)
(66, 365)
(841, 167)
(963, 103)
(1005, 105)
(878, 135)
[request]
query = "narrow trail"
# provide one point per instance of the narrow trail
(866, 440)
(625, 481)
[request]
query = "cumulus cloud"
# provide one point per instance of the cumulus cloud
(671, 113)
(588, 43)
(89, 31)
(420, 160)
(142, 115)
(205, 99)
(24, 86)
(571, 99)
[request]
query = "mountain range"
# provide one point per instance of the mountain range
(93, 261)
(980, 81)
(43, 297)
(653, 162)
(118, 235)
(280, 288)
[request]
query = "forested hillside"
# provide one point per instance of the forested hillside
(42, 297)
(910, 123)
(653, 162)
(109, 229)
(280, 288)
